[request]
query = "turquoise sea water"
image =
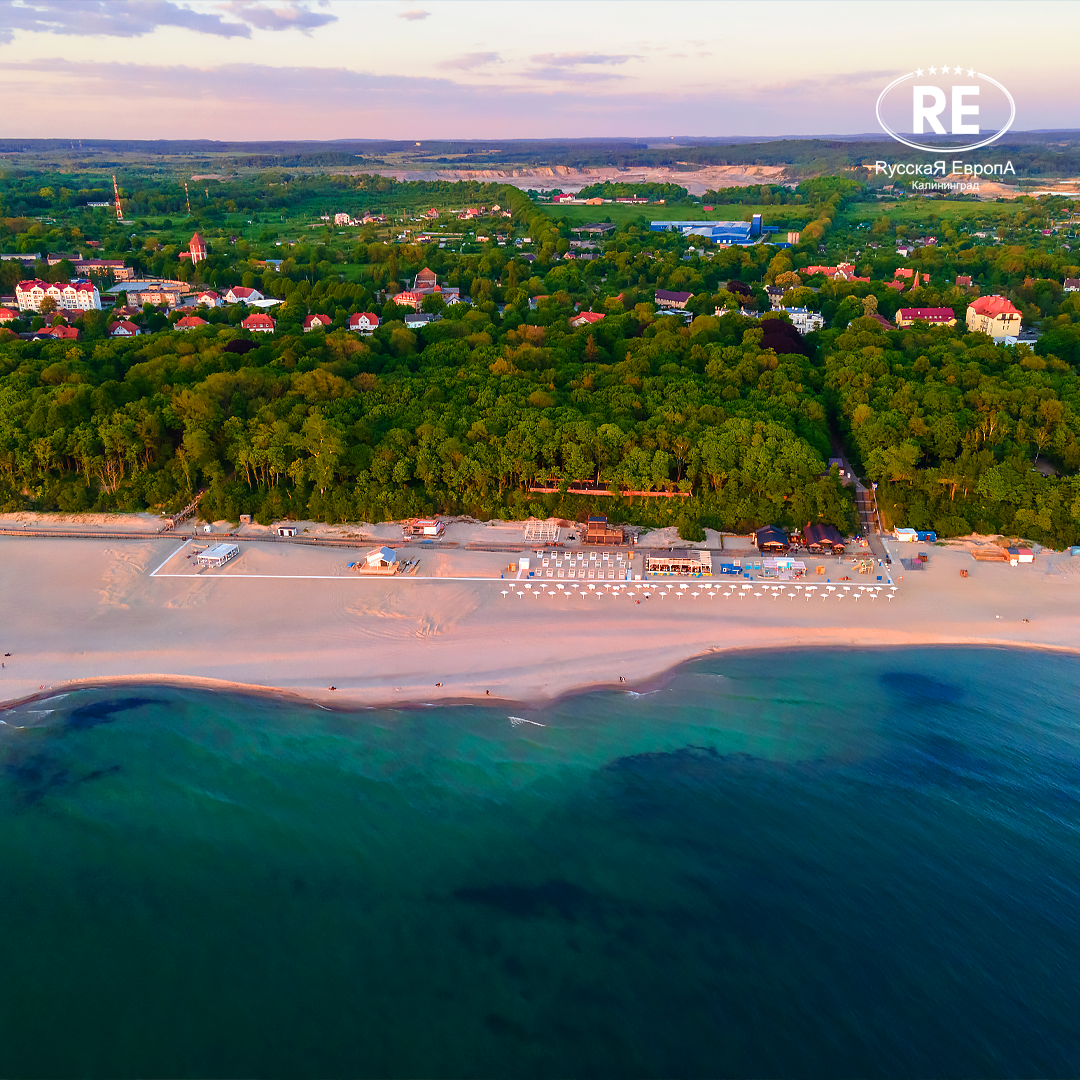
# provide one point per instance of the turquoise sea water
(861, 863)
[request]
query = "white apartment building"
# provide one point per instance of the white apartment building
(74, 296)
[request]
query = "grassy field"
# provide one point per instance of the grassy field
(911, 211)
(621, 214)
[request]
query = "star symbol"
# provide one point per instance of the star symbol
(933, 71)
(944, 70)
(971, 71)
(918, 71)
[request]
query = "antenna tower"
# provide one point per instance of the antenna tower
(116, 192)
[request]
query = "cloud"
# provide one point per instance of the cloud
(291, 15)
(470, 61)
(134, 18)
(414, 14)
(570, 60)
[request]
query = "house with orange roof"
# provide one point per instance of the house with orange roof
(189, 322)
(317, 322)
(993, 315)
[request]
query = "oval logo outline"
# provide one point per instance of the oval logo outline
(951, 149)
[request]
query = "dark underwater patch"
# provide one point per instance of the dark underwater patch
(923, 689)
(39, 775)
(102, 712)
(554, 897)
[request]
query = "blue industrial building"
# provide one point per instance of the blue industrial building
(719, 232)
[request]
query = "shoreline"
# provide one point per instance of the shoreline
(347, 703)
(84, 613)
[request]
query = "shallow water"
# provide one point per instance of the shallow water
(861, 863)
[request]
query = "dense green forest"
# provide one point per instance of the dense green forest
(734, 411)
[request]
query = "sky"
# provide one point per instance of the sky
(463, 69)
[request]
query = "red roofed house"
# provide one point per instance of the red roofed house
(363, 322)
(59, 333)
(409, 299)
(7, 315)
(935, 316)
(426, 279)
(1072, 284)
(208, 298)
(259, 324)
(123, 329)
(189, 322)
(993, 315)
(317, 322)
(241, 295)
(903, 272)
(586, 318)
(197, 249)
(897, 285)
(963, 281)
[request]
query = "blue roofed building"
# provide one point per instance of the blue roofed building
(719, 232)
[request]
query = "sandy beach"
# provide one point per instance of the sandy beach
(296, 619)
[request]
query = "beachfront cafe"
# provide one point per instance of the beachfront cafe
(771, 540)
(679, 563)
(218, 555)
(823, 539)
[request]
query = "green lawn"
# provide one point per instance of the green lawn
(622, 214)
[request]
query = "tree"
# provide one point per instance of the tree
(47, 306)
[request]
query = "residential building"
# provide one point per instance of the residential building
(841, 272)
(242, 295)
(963, 281)
(1072, 284)
(993, 315)
(415, 320)
(116, 267)
(317, 322)
(678, 300)
(7, 315)
(74, 296)
(803, 319)
(208, 298)
(342, 219)
(775, 293)
(586, 318)
(364, 323)
(934, 316)
(189, 322)
(123, 328)
(258, 324)
(426, 279)
(409, 298)
(58, 333)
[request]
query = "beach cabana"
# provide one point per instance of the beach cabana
(771, 539)
(381, 558)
